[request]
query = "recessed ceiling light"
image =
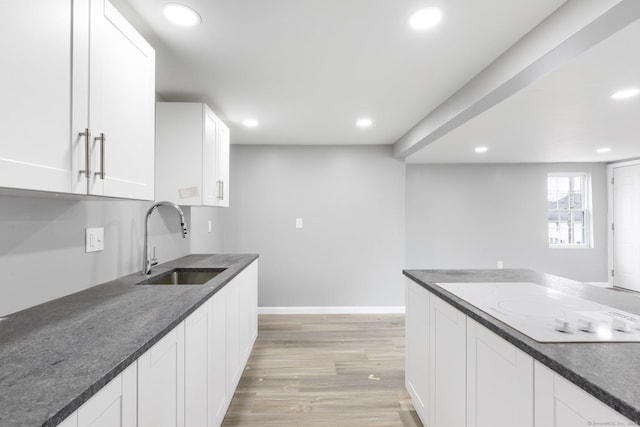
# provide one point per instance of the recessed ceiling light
(481, 149)
(250, 123)
(363, 123)
(425, 18)
(181, 15)
(603, 150)
(625, 93)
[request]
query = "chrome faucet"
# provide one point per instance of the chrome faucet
(147, 263)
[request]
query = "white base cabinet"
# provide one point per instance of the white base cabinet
(113, 406)
(161, 382)
(435, 358)
(417, 348)
(186, 379)
(499, 381)
(447, 362)
(560, 403)
(461, 374)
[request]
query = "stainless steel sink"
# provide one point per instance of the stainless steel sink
(184, 276)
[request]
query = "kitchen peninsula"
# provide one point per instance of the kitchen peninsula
(459, 353)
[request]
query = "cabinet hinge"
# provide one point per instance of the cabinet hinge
(613, 227)
(612, 275)
(612, 180)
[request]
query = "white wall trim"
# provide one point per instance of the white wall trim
(331, 310)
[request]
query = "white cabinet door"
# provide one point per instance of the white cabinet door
(35, 79)
(417, 347)
(70, 421)
(197, 360)
(221, 391)
(448, 358)
(210, 158)
(499, 381)
(222, 165)
(234, 339)
(161, 382)
(558, 403)
(115, 405)
(120, 108)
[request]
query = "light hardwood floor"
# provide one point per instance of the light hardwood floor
(325, 370)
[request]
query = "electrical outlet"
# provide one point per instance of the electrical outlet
(298, 222)
(500, 264)
(94, 240)
(209, 226)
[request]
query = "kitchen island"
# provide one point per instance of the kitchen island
(54, 357)
(459, 335)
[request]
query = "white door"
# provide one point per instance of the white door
(121, 106)
(197, 359)
(626, 220)
(220, 395)
(499, 381)
(448, 357)
(417, 347)
(114, 405)
(209, 161)
(559, 403)
(222, 167)
(161, 382)
(35, 105)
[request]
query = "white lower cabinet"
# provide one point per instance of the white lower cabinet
(499, 381)
(447, 364)
(221, 391)
(559, 403)
(417, 348)
(197, 365)
(186, 379)
(435, 358)
(161, 382)
(113, 406)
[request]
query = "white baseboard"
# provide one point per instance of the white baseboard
(331, 310)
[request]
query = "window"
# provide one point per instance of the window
(569, 216)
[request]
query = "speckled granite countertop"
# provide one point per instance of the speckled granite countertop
(608, 371)
(55, 356)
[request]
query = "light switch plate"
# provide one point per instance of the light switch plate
(94, 241)
(298, 222)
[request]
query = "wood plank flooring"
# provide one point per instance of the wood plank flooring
(325, 370)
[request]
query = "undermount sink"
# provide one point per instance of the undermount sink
(184, 276)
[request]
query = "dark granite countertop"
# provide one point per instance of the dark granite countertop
(55, 356)
(608, 371)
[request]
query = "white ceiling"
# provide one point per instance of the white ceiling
(307, 69)
(564, 116)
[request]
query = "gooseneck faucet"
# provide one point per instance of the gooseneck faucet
(147, 263)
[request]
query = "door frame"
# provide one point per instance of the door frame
(610, 168)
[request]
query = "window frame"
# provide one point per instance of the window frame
(586, 209)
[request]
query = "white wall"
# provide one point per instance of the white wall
(350, 251)
(471, 216)
(42, 253)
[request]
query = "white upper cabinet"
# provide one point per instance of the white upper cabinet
(192, 155)
(35, 149)
(84, 67)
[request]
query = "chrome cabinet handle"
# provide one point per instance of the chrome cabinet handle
(222, 192)
(219, 189)
(87, 155)
(102, 139)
